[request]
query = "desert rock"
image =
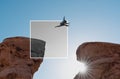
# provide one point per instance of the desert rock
(103, 60)
(15, 62)
(37, 47)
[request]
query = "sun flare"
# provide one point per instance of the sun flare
(83, 67)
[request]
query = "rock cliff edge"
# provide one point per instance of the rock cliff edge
(15, 62)
(103, 60)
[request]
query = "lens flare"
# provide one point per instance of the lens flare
(85, 69)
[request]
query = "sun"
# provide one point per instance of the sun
(83, 67)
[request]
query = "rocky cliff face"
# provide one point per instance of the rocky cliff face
(103, 60)
(37, 48)
(15, 62)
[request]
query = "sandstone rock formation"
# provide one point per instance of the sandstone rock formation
(15, 62)
(37, 47)
(103, 60)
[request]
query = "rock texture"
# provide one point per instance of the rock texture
(103, 60)
(37, 47)
(15, 62)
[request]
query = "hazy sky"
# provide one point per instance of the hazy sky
(90, 20)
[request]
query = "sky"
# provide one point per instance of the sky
(90, 20)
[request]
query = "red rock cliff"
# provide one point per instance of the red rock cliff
(103, 60)
(15, 62)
